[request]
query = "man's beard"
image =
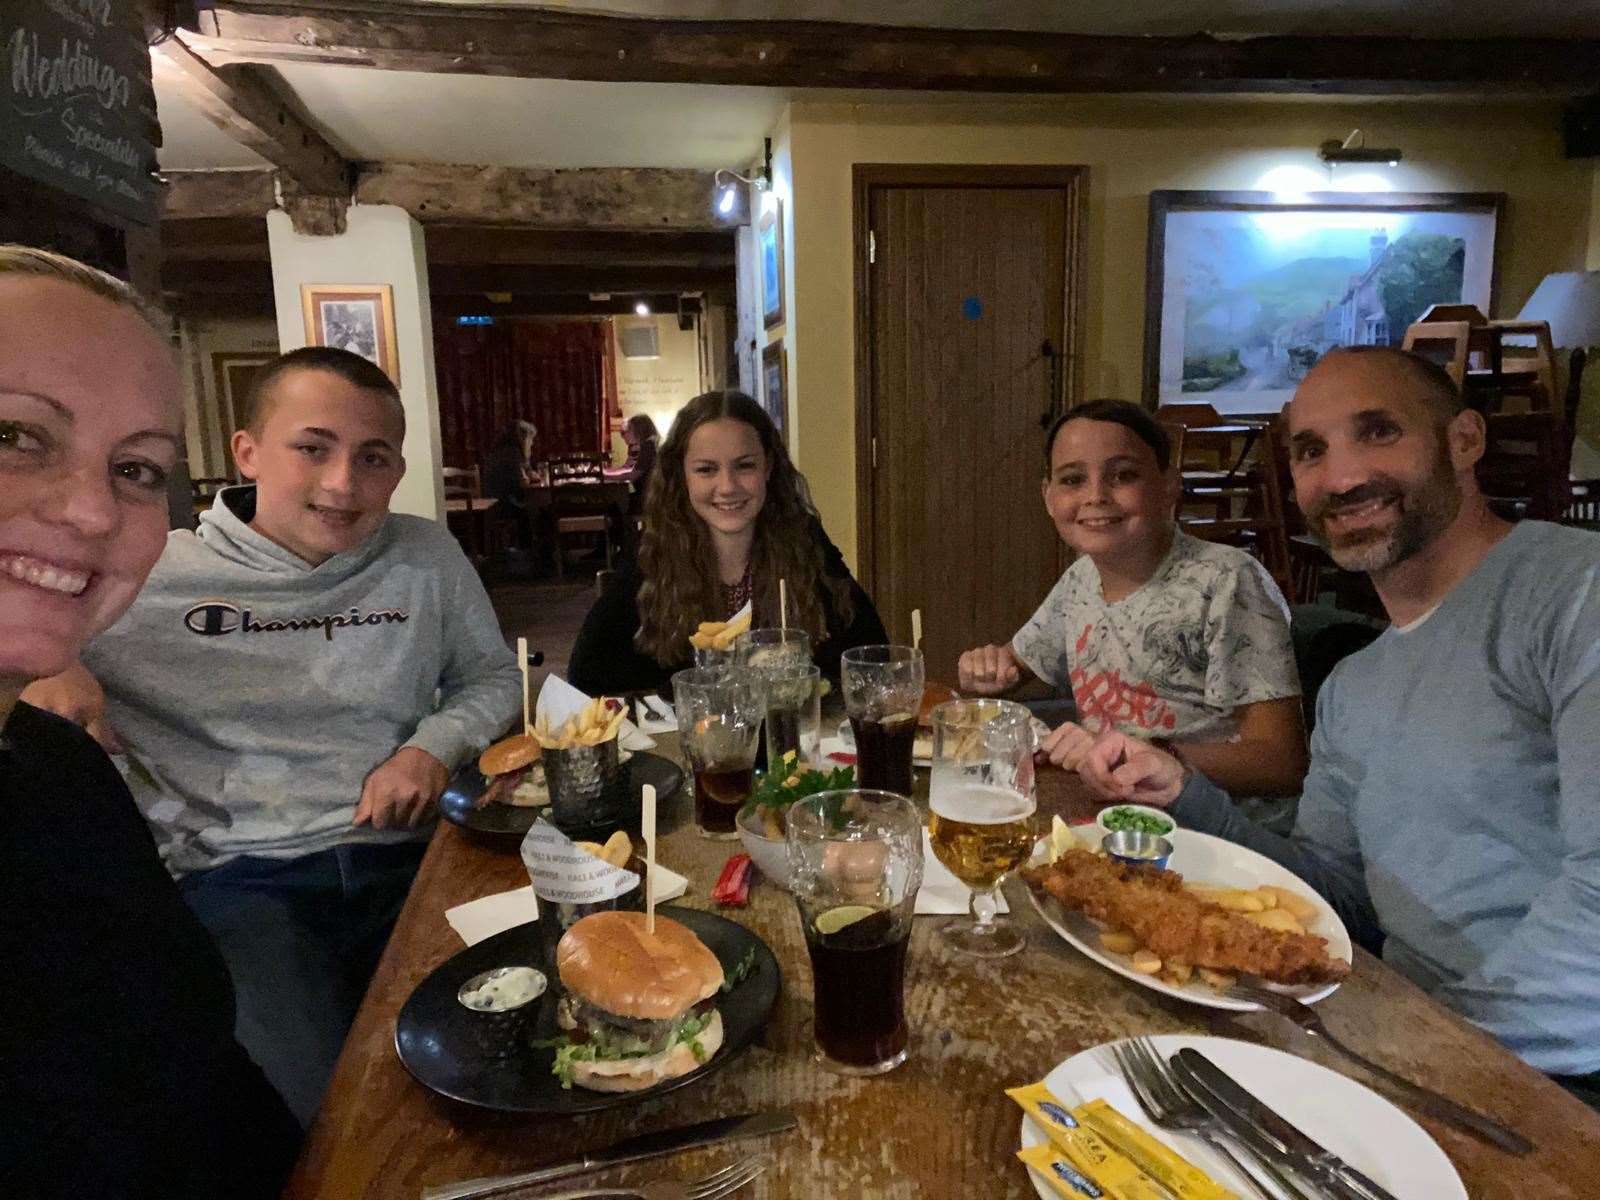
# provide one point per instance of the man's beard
(1426, 511)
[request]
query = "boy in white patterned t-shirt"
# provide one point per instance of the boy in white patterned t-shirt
(1156, 633)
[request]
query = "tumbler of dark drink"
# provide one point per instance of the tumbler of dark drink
(882, 694)
(719, 725)
(855, 860)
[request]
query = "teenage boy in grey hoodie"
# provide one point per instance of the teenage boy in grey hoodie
(291, 689)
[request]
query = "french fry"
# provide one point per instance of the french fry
(594, 848)
(618, 849)
(1237, 901)
(1178, 973)
(1276, 918)
(1293, 903)
(1221, 980)
(1145, 962)
(1117, 942)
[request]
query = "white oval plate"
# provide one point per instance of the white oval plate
(1358, 1125)
(1201, 858)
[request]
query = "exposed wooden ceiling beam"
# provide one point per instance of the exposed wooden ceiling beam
(481, 39)
(447, 308)
(244, 102)
(604, 201)
(225, 193)
(205, 276)
(636, 198)
(463, 244)
(456, 281)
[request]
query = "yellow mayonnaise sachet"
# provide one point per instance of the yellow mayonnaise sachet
(1077, 1161)
(1169, 1168)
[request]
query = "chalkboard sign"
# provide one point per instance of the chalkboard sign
(77, 111)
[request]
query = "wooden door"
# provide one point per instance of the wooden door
(964, 348)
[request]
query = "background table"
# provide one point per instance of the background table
(940, 1126)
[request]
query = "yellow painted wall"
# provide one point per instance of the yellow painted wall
(1133, 147)
(657, 387)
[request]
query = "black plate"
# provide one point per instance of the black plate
(458, 1054)
(508, 823)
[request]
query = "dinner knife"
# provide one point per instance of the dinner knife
(629, 1150)
(1227, 1100)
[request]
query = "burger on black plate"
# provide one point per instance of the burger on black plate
(507, 765)
(638, 1008)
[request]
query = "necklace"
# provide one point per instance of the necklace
(736, 595)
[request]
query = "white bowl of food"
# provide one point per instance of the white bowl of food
(761, 822)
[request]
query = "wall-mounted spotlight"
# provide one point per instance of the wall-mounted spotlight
(726, 181)
(642, 309)
(1334, 151)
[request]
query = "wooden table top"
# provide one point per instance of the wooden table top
(939, 1126)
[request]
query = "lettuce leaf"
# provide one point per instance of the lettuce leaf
(603, 1048)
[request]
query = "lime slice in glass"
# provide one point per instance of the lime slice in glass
(836, 919)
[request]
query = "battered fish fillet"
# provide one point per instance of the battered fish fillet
(1178, 926)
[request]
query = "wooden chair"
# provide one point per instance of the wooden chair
(1492, 362)
(1242, 504)
(1525, 467)
(465, 507)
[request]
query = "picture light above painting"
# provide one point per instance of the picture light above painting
(1245, 291)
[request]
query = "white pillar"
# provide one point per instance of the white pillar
(381, 244)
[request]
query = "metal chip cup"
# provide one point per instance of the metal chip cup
(578, 779)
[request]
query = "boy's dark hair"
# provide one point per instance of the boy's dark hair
(1116, 412)
(350, 367)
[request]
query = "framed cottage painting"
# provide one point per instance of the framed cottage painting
(356, 317)
(1247, 290)
(769, 241)
(775, 384)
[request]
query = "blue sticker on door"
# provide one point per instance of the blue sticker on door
(972, 308)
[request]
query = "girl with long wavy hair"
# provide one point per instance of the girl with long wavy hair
(726, 516)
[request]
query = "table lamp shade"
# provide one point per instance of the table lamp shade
(1570, 302)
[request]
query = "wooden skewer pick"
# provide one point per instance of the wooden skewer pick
(916, 629)
(783, 604)
(522, 665)
(648, 825)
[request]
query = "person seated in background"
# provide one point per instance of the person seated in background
(293, 688)
(639, 432)
(725, 518)
(1156, 633)
(1453, 800)
(119, 1074)
(507, 471)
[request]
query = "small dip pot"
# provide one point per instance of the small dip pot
(500, 1000)
(1138, 849)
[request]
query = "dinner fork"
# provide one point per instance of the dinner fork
(714, 1186)
(1442, 1107)
(1169, 1105)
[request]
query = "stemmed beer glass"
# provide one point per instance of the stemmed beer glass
(982, 799)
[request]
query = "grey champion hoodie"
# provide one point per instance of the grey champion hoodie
(255, 692)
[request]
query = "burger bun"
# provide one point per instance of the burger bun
(612, 961)
(511, 754)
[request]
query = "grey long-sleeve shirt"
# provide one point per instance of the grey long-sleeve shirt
(255, 692)
(1454, 797)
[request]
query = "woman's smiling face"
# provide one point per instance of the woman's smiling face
(90, 428)
(725, 472)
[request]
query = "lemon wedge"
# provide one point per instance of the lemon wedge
(1061, 839)
(836, 919)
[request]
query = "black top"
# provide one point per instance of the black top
(119, 1074)
(502, 474)
(605, 660)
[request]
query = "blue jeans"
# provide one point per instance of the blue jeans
(301, 937)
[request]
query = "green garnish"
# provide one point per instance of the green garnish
(1118, 819)
(781, 785)
(741, 971)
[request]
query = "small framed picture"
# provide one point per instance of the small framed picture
(775, 384)
(769, 237)
(358, 317)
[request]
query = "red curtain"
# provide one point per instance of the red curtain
(552, 373)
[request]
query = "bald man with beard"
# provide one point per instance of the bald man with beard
(1452, 807)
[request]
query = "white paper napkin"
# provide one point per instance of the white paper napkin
(942, 892)
(489, 915)
(559, 700)
(655, 715)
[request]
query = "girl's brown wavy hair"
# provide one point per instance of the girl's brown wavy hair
(678, 562)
